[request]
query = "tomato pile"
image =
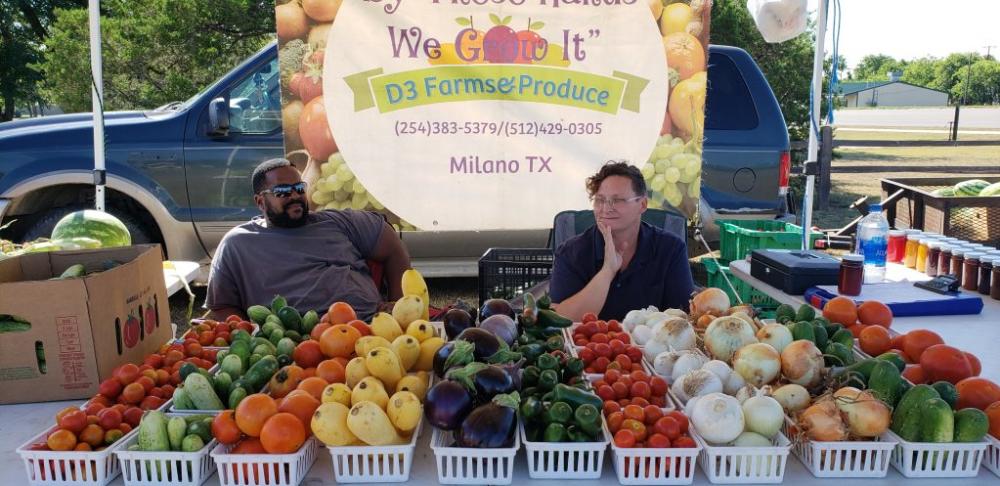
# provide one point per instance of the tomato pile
(213, 333)
(593, 330)
(635, 388)
(648, 427)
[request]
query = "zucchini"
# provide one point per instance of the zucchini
(803, 330)
(153, 432)
(937, 421)
(260, 373)
(971, 425)
(906, 416)
(884, 382)
(947, 391)
(201, 393)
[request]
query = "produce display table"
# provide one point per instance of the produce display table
(977, 333)
(174, 272)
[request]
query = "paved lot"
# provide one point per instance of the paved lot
(973, 117)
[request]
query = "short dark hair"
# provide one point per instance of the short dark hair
(260, 173)
(613, 168)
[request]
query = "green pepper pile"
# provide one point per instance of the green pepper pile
(565, 414)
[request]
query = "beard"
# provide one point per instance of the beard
(283, 219)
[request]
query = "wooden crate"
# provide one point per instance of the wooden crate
(969, 218)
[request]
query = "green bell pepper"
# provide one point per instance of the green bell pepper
(588, 418)
(554, 433)
(531, 408)
(531, 351)
(555, 342)
(559, 412)
(547, 362)
(529, 377)
(547, 380)
(573, 367)
(575, 434)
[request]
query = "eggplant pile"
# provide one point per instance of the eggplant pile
(477, 403)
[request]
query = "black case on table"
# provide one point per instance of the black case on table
(794, 271)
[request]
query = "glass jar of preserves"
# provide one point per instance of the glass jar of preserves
(995, 285)
(957, 262)
(896, 249)
(944, 259)
(970, 272)
(933, 253)
(985, 273)
(852, 274)
(922, 253)
(912, 242)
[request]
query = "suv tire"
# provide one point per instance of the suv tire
(42, 228)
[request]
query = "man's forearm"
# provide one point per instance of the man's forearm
(394, 268)
(590, 299)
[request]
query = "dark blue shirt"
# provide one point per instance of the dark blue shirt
(659, 273)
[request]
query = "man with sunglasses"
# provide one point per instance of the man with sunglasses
(621, 263)
(312, 259)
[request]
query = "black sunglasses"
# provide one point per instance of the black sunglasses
(285, 190)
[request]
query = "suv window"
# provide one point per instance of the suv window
(729, 104)
(255, 103)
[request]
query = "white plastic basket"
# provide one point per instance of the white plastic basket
(177, 468)
(654, 466)
(841, 459)
(374, 464)
(467, 465)
(936, 460)
(565, 460)
(992, 461)
(95, 468)
(264, 469)
(744, 465)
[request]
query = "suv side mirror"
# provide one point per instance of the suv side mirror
(218, 117)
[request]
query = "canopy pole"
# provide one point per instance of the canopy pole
(97, 102)
(816, 93)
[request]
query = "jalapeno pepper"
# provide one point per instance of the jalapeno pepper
(547, 362)
(588, 418)
(529, 377)
(531, 408)
(575, 396)
(547, 380)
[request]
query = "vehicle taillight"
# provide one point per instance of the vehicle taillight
(784, 168)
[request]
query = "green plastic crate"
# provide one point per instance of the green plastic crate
(738, 237)
(764, 304)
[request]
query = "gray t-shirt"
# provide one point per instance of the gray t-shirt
(312, 266)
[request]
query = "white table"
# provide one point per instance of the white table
(175, 271)
(978, 334)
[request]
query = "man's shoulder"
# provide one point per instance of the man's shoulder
(244, 230)
(578, 244)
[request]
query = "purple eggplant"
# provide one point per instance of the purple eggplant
(495, 306)
(455, 321)
(452, 354)
(491, 425)
(490, 382)
(502, 327)
(486, 343)
(447, 404)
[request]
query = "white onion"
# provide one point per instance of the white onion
(777, 335)
(634, 318)
(745, 318)
(727, 334)
(676, 313)
(710, 301)
(663, 363)
(676, 333)
(757, 363)
(792, 397)
(802, 363)
(752, 439)
(763, 415)
(744, 394)
(721, 369)
(718, 418)
(686, 364)
(733, 384)
(641, 334)
(689, 406)
(695, 384)
(654, 318)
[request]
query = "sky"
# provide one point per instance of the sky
(910, 29)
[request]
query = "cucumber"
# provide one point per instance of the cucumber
(803, 330)
(239, 335)
(187, 369)
(181, 400)
(201, 393)
(309, 321)
(192, 443)
(947, 391)
(221, 356)
(233, 364)
(937, 421)
(153, 432)
(884, 382)
(237, 395)
(971, 425)
(906, 415)
(843, 336)
(241, 349)
(273, 319)
(258, 313)
(275, 337)
(895, 359)
(176, 428)
(290, 318)
(286, 346)
(222, 382)
(260, 373)
(285, 360)
(863, 368)
(197, 416)
(821, 337)
(837, 354)
(278, 303)
(266, 348)
(201, 428)
(295, 336)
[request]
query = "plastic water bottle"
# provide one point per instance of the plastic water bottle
(873, 241)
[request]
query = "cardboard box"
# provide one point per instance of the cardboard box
(83, 327)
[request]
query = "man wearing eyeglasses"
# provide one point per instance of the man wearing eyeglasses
(312, 259)
(621, 263)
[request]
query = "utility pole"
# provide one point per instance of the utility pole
(988, 50)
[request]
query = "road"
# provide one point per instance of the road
(918, 117)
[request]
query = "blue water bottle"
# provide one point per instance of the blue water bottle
(873, 241)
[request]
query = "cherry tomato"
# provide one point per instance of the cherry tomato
(615, 421)
(624, 438)
(652, 414)
(681, 419)
(668, 426)
(659, 441)
(684, 441)
(637, 428)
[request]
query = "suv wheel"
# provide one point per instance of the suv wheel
(42, 228)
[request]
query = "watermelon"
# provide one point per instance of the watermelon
(98, 225)
(943, 192)
(971, 187)
(991, 190)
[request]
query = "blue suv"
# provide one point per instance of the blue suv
(179, 174)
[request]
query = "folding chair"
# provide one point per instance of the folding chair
(568, 224)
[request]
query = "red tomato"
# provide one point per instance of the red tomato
(617, 347)
(640, 389)
(639, 376)
(611, 406)
(601, 364)
(634, 353)
(599, 338)
(624, 361)
(658, 401)
(587, 355)
(615, 421)
(620, 389)
(601, 349)
(624, 438)
(668, 426)
(634, 412)
(614, 325)
(651, 413)
(642, 402)
(637, 428)
(681, 419)
(659, 441)
(684, 442)
(943, 362)
(589, 317)
(658, 385)
(607, 392)
(612, 376)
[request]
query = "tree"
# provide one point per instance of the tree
(787, 66)
(921, 72)
(24, 27)
(155, 51)
(876, 67)
(983, 83)
(945, 73)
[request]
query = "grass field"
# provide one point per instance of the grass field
(914, 133)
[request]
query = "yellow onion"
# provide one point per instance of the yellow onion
(727, 334)
(802, 363)
(758, 363)
(866, 415)
(710, 301)
(822, 422)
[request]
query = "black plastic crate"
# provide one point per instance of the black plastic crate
(505, 273)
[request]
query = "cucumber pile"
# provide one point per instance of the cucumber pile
(282, 321)
(157, 432)
(925, 413)
(244, 369)
(833, 339)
